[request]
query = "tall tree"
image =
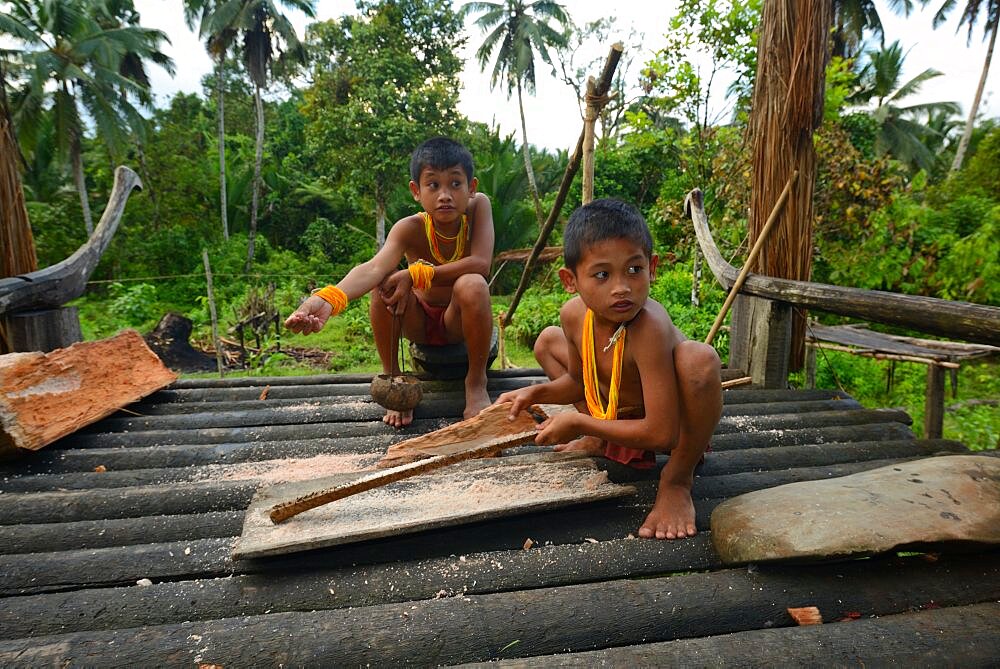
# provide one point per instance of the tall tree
(266, 33)
(69, 63)
(217, 43)
(970, 14)
(384, 81)
(518, 32)
(902, 132)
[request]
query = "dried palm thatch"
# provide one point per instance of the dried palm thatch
(17, 246)
(787, 107)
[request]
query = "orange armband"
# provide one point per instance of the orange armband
(422, 274)
(335, 296)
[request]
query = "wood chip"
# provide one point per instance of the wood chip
(528, 543)
(263, 393)
(806, 615)
(100, 468)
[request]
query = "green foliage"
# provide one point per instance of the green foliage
(375, 97)
(135, 305)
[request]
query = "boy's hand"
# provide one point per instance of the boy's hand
(519, 399)
(558, 429)
(395, 289)
(310, 317)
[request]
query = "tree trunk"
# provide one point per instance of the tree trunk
(379, 216)
(787, 107)
(220, 87)
(963, 144)
(81, 183)
(258, 158)
(532, 186)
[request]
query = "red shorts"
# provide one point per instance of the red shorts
(633, 457)
(435, 332)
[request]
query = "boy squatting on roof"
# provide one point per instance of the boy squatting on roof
(664, 393)
(443, 296)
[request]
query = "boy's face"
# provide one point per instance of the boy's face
(612, 278)
(444, 193)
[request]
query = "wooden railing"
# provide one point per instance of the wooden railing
(964, 321)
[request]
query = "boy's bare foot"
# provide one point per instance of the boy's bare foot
(672, 516)
(586, 445)
(398, 418)
(476, 399)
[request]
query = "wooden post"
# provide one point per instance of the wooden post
(589, 121)
(810, 366)
(934, 402)
(770, 332)
(211, 309)
(41, 330)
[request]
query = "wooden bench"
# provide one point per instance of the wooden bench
(939, 356)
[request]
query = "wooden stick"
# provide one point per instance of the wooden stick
(285, 510)
(754, 252)
(868, 353)
(737, 382)
(211, 308)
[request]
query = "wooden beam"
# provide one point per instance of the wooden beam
(959, 320)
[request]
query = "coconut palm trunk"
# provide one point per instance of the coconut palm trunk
(963, 144)
(76, 160)
(787, 107)
(258, 158)
(532, 186)
(220, 88)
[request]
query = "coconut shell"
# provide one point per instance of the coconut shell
(397, 393)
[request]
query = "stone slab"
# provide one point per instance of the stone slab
(934, 500)
(466, 492)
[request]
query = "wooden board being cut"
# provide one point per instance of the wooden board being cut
(463, 493)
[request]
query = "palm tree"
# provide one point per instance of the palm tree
(970, 14)
(901, 133)
(217, 44)
(73, 67)
(519, 31)
(265, 31)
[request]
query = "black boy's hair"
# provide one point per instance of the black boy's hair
(601, 220)
(440, 153)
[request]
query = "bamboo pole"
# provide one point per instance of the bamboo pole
(754, 252)
(603, 84)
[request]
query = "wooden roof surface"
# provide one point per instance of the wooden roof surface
(116, 549)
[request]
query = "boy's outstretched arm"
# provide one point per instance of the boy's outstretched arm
(313, 313)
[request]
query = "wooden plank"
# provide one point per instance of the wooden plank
(45, 396)
(463, 493)
(606, 613)
(966, 636)
(888, 343)
(493, 422)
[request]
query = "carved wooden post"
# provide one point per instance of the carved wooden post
(32, 317)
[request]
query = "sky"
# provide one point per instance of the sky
(552, 114)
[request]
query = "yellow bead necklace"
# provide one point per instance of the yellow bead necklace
(591, 384)
(433, 235)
